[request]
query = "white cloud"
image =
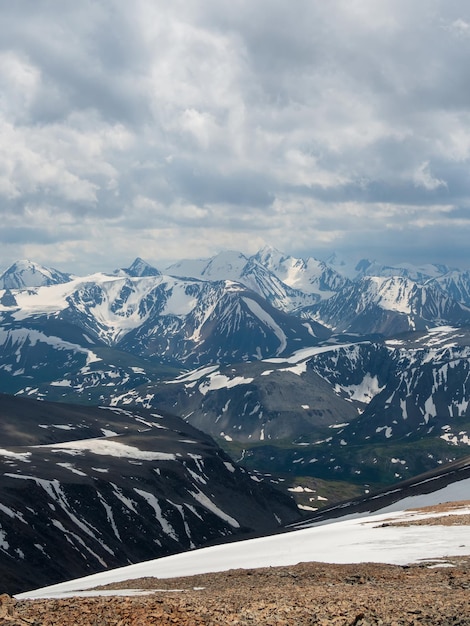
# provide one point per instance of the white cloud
(304, 128)
(423, 178)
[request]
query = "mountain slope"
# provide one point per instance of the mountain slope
(250, 402)
(392, 535)
(365, 412)
(169, 320)
(85, 489)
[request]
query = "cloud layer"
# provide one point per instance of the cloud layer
(171, 130)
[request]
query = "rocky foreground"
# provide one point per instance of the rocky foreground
(366, 594)
(313, 593)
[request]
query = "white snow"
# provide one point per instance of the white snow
(298, 369)
(306, 353)
(387, 429)
(61, 383)
(18, 456)
(461, 438)
(108, 448)
(72, 468)
(366, 390)
(178, 303)
(264, 317)
(210, 506)
(220, 381)
(154, 503)
(193, 375)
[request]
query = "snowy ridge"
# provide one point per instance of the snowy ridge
(335, 400)
(307, 275)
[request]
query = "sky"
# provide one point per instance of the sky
(176, 130)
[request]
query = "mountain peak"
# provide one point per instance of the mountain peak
(140, 268)
(24, 273)
(270, 257)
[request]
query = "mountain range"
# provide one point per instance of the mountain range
(301, 367)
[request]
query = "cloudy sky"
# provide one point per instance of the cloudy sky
(177, 129)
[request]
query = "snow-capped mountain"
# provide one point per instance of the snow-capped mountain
(269, 400)
(327, 410)
(85, 489)
(288, 283)
(417, 273)
(388, 306)
(24, 274)
(456, 284)
(126, 337)
(248, 271)
(307, 275)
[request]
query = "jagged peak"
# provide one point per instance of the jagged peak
(140, 268)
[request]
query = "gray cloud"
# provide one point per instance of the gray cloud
(314, 126)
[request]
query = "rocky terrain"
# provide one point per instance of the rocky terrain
(308, 593)
(312, 593)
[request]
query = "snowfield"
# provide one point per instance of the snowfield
(352, 539)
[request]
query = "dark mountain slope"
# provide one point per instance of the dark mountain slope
(86, 489)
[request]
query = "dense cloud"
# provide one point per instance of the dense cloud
(169, 130)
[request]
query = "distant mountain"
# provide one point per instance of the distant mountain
(307, 275)
(139, 268)
(456, 284)
(327, 375)
(388, 306)
(248, 271)
(85, 489)
(351, 411)
(268, 400)
(25, 274)
(419, 274)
